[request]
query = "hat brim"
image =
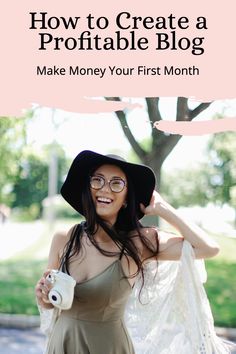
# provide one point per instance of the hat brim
(142, 177)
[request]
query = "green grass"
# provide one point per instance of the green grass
(18, 277)
(221, 282)
(17, 282)
(221, 290)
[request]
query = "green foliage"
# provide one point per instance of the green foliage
(186, 187)
(24, 214)
(12, 143)
(222, 164)
(211, 181)
(31, 183)
(23, 172)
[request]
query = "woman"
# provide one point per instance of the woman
(107, 256)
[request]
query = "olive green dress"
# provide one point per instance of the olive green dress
(94, 324)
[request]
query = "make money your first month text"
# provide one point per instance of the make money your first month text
(163, 33)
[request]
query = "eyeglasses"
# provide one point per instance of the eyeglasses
(116, 184)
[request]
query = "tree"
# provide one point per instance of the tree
(191, 188)
(222, 168)
(213, 180)
(12, 143)
(31, 184)
(160, 144)
(30, 187)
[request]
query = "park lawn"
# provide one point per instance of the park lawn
(19, 276)
(17, 282)
(221, 291)
(221, 283)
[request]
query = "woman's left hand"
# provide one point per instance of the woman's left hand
(154, 206)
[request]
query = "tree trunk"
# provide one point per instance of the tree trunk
(155, 164)
(161, 144)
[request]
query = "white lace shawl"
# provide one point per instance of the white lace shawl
(174, 315)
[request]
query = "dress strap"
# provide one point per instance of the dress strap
(121, 252)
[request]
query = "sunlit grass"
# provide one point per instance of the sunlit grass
(17, 282)
(221, 290)
(221, 283)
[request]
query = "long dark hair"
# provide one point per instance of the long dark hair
(127, 227)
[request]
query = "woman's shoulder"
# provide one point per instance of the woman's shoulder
(149, 232)
(58, 244)
(145, 230)
(61, 237)
(149, 237)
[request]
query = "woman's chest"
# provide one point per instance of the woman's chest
(90, 262)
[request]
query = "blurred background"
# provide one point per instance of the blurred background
(195, 174)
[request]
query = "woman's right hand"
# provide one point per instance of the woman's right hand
(42, 289)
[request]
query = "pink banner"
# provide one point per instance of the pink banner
(56, 55)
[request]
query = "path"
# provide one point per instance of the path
(16, 341)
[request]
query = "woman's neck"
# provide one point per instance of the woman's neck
(101, 236)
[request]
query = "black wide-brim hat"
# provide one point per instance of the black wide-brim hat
(141, 176)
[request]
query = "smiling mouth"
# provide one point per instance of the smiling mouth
(103, 200)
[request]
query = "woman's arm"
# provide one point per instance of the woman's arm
(170, 244)
(43, 286)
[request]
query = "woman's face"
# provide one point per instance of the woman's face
(107, 202)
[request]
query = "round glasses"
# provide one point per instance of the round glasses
(116, 184)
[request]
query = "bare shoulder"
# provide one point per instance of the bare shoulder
(60, 238)
(151, 236)
(170, 245)
(149, 232)
(167, 239)
(58, 244)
